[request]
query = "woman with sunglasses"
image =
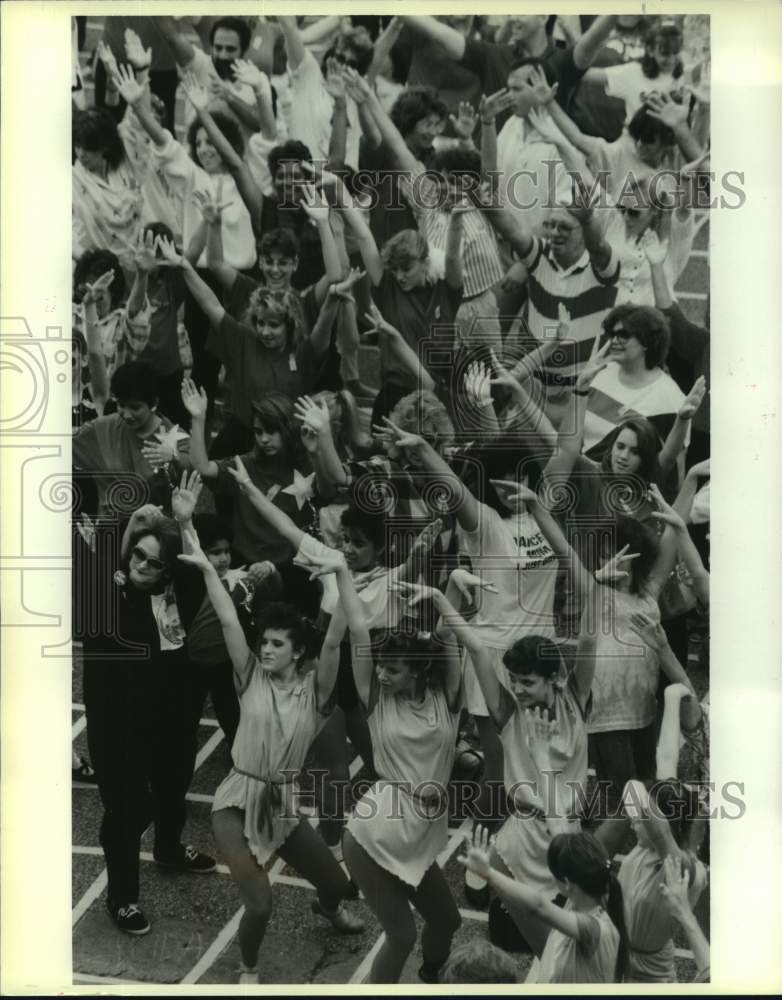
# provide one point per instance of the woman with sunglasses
(140, 697)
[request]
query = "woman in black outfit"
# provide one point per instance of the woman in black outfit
(141, 698)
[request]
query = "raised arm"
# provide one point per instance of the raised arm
(384, 42)
(454, 242)
(234, 164)
(274, 517)
(144, 261)
(233, 633)
(317, 208)
(449, 38)
(317, 439)
(591, 42)
(688, 553)
(559, 129)
(250, 75)
(675, 116)
(401, 351)
(210, 210)
(536, 903)
(202, 293)
(195, 402)
(338, 194)
(137, 96)
(505, 223)
(676, 891)
(294, 44)
(181, 46)
(677, 436)
(582, 210)
(401, 158)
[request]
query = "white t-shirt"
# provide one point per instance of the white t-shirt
(311, 110)
(530, 184)
(628, 83)
(513, 554)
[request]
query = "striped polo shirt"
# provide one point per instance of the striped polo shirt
(481, 265)
(588, 295)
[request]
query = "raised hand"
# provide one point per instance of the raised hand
(240, 473)
(424, 543)
(334, 79)
(598, 360)
(315, 421)
(379, 325)
(545, 125)
(246, 72)
(93, 291)
(582, 205)
(194, 400)
(460, 207)
(655, 249)
(664, 510)
(138, 57)
(540, 730)
(675, 887)
(669, 112)
(185, 496)
(515, 492)
(701, 470)
(502, 375)
(476, 857)
(194, 92)
(614, 570)
(194, 554)
(693, 400)
(209, 208)
(477, 384)
(464, 120)
(467, 583)
(171, 257)
(543, 91)
(258, 572)
(323, 563)
(143, 251)
(495, 104)
(128, 86)
(314, 203)
(400, 439)
(414, 593)
(357, 87)
(146, 517)
(106, 56)
(86, 528)
(342, 289)
(652, 633)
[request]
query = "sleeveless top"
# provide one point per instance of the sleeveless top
(650, 927)
(402, 820)
(276, 728)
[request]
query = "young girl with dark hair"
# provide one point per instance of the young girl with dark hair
(282, 708)
(410, 688)
(660, 70)
(587, 938)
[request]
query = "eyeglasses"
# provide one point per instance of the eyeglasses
(619, 335)
(141, 557)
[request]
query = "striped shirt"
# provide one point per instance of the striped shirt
(587, 293)
(122, 338)
(481, 266)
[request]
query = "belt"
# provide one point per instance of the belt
(270, 796)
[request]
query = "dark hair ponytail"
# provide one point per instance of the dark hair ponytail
(615, 908)
(582, 859)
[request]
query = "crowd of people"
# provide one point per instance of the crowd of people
(475, 555)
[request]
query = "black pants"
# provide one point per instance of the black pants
(162, 82)
(142, 723)
(618, 757)
(217, 680)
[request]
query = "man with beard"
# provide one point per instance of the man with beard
(229, 39)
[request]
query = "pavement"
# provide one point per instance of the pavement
(194, 917)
